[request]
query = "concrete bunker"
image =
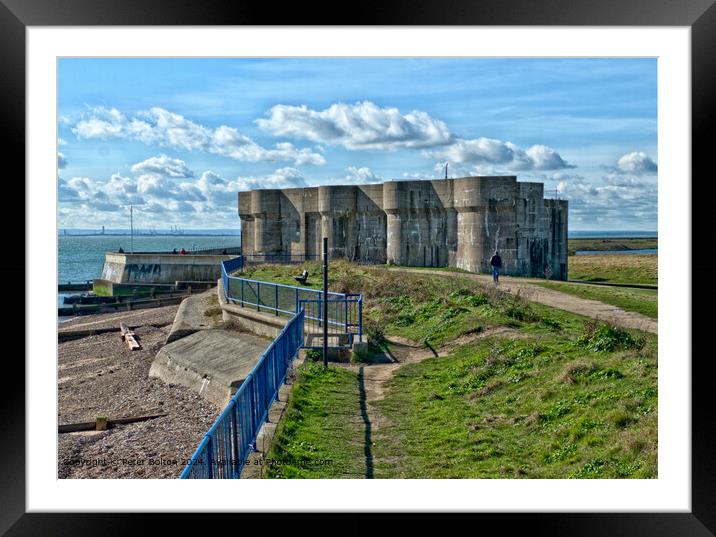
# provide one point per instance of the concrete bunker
(439, 223)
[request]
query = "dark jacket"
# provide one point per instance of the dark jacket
(496, 261)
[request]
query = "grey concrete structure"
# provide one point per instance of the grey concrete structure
(213, 363)
(440, 223)
(161, 268)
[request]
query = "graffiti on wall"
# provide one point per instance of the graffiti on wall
(136, 272)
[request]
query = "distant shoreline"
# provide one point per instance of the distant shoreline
(148, 235)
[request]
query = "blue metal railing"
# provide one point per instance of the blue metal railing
(344, 312)
(226, 446)
(344, 319)
(224, 449)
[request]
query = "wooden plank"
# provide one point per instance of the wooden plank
(91, 425)
(129, 337)
(132, 343)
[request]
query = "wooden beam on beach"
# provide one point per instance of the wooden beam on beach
(129, 337)
(92, 425)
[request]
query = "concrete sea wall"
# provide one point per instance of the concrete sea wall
(161, 268)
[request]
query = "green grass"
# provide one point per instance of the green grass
(640, 243)
(560, 398)
(321, 433)
(534, 408)
(642, 301)
(569, 399)
(614, 268)
(416, 306)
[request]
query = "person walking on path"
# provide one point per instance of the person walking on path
(496, 264)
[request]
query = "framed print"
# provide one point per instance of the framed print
(420, 248)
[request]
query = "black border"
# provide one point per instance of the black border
(699, 15)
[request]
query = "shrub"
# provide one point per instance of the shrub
(518, 310)
(374, 331)
(552, 324)
(468, 298)
(314, 355)
(602, 337)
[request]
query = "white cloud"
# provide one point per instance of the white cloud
(637, 163)
(620, 199)
(546, 158)
(363, 125)
(616, 179)
(61, 161)
(486, 153)
(281, 178)
(102, 123)
(163, 165)
(362, 176)
(66, 193)
(161, 127)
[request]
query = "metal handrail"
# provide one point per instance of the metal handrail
(234, 432)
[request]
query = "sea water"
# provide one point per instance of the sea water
(81, 257)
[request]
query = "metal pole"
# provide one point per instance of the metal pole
(131, 230)
(325, 302)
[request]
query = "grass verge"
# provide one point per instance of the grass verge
(321, 433)
(614, 268)
(525, 408)
(639, 243)
(644, 301)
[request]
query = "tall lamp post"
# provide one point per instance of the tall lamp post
(325, 302)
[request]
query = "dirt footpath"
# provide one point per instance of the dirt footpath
(555, 299)
(375, 376)
(99, 376)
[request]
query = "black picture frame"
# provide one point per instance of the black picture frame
(699, 15)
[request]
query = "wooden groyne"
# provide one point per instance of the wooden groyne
(75, 286)
(132, 304)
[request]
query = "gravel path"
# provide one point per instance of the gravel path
(555, 299)
(99, 376)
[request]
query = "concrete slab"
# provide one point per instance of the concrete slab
(192, 315)
(213, 363)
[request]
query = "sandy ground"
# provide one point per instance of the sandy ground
(99, 376)
(555, 299)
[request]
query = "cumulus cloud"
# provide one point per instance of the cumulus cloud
(66, 193)
(363, 125)
(622, 180)
(491, 152)
(281, 178)
(617, 199)
(163, 165)
(102, 123)
(362, 176)
(222, 192)
(61, 161)
(637, 163)
(161, 127)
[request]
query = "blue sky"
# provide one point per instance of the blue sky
(177, 138)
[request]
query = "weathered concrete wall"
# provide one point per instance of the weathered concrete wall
(161, 268)
(450, 222)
